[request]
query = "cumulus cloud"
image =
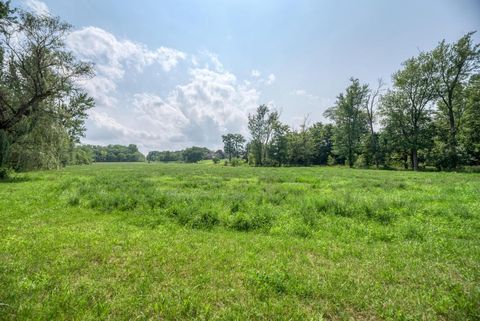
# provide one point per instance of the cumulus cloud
(207, 102)
(37, 6)
(113, 55)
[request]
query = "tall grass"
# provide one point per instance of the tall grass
(198, 242)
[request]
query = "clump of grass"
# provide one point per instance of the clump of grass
(255, 219)
(413, 233)
(277, 282)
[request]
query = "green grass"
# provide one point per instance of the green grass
(205, 242)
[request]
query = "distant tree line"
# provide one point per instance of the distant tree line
(430, 117)
(189, 155)
(112, 153)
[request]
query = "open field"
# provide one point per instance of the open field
(198, 242)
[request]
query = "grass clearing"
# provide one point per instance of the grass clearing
(209, 242)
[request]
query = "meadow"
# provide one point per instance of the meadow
(211, 242)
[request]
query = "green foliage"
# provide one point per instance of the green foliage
(454, 65)
(166, 156)
(195, 154)
(233, 145)
(350, 120)
(470, 131)
(406, 109)
(322, 136)
(114, 153)
(428, 119)
(5, 172)
(43, 109)
(262, 126)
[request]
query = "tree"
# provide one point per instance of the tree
(470, 132)
(406, 109)
(454, 64)
(194, 154)
(372, 149)
(350, 120)
(300, 146)
(38, 80)
(233, 145)
(322, 139)
(261, 126)
(279, 145)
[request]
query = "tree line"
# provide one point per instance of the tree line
(86, 154)
(188, 155)
(429, 118)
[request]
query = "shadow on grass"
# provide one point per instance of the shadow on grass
(13, 180)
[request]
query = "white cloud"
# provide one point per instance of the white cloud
(304, 93)
(113, 58)
(255, 73)
(271, 79)
(208, 102)
(112, 55)
(37, 6)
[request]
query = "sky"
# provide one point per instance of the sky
(175, 73)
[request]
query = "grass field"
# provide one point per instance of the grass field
(209, 242)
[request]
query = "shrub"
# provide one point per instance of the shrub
(5, 173)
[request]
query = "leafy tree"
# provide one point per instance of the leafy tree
(301, 146)
(279, 145)
(454, 64)
(470, 133)
(322, 139)
(194, 154)
(261, 126)
(233, 145)
(349, 117)
(38, 87)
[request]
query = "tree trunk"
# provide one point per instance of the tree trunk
(452, 148)
(414, 160)
(350, 158)
(405, 159)
(4, 147)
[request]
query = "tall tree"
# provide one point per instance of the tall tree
(322, 137)
(301, 145)
(194, 154)
(470, 131)
(38, 77)
(233, 145)
(406, 109)
(261, 126)
(349, 117)
(454, 64)
(278, 147)
(372, 151)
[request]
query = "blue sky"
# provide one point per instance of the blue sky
(172, 74)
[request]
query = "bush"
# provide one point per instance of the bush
(235, 162)
(5, 173)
